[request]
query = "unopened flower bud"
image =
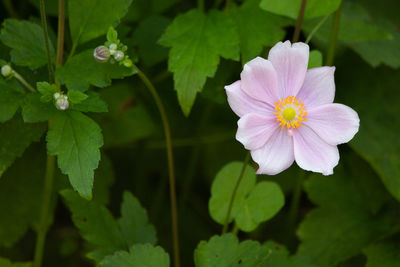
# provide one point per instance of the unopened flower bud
(62, 102)
(6, 71)
(113, 46)
(119, 55)
(128, 63)
(56, 96)
(101, 53)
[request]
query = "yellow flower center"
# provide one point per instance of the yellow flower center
(290, 112)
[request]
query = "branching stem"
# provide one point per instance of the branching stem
(23, 81)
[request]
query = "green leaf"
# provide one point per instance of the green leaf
(10, 100)
(291, 8)
(76, 97)
(377, 140)
(15, 137)
(89, 19)
(383, 254)
(315, 59)
(98, 227)
(7, 263)
(47, 90)
(93, 103)
(347, 218)
(263, 202)
(257, 28)
(139, 255)
(34, 110)
(134, 222)
(76, 140)
(145, 37)
(226, 251)
(27, 43)
(21, 193)
(355, 26)
(96, 224)
(222, 189)
(103, 178)
(197, 42)
(112, 35)
(83, 70)
(253, 203)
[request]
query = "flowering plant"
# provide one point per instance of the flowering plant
(119, 133)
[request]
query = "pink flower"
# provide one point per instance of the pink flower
(286, 112)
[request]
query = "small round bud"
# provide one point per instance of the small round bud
(119, 55)
(62, 102)
(6, 71)
(113, 46)
(128, 63)
(101, 53)
(56, 96)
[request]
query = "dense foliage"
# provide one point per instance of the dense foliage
(84, 175)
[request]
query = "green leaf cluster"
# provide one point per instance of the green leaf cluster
(253, 203)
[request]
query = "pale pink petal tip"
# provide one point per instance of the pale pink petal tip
(290, 63)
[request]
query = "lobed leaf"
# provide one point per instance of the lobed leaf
(98, 226)
(291, 8)
(89, 19)
(76, 140)
(15, 137)
(253, 203)
(27, 43)
(139, 255)
(197, 42)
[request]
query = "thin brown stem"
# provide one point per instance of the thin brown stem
(172, 186)
(300, 17)
(228, 215)
(60, 37)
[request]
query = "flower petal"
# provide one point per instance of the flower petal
(318, 87)
(276, 155)
(259, 80)
(242, 104)
(334, 123)
(290, 63)
(312, 153)
(254, 130)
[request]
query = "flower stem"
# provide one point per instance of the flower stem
(235, 230)
(295, 203)
(51, 160)
(167, 131)
(228, 214)
(23, 81)
(300, 17)
(46, 38)
(10, 9)
(44, 215)
(60, 38)
(330, 55)
(200, 4)
(316, 28)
